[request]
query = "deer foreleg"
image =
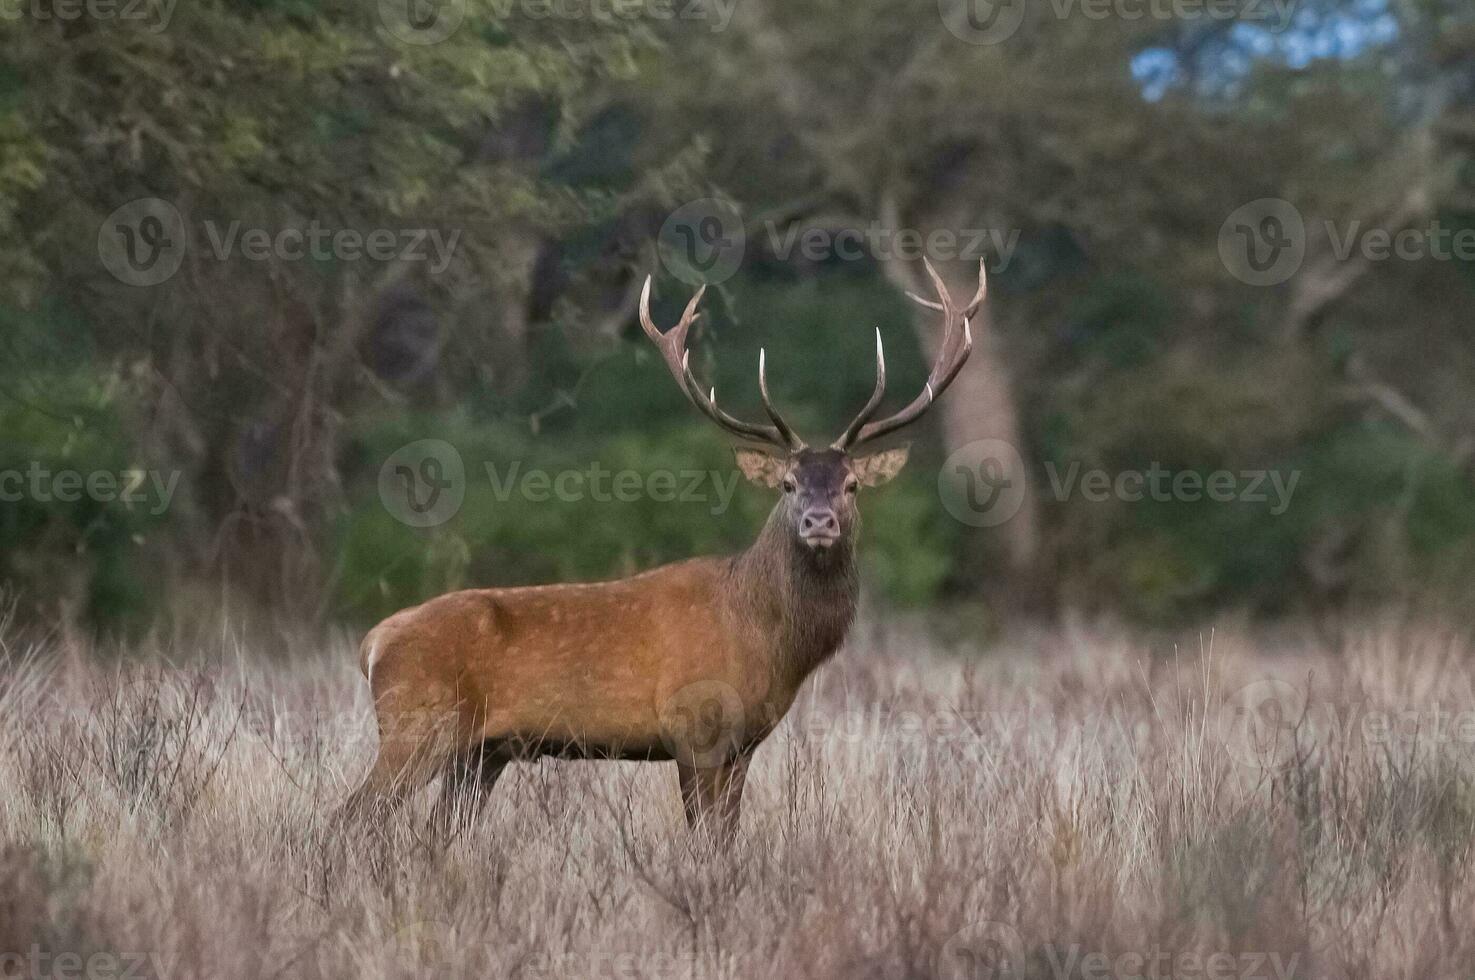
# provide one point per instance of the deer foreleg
(713, 796)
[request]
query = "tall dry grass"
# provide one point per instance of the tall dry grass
(1083, 805)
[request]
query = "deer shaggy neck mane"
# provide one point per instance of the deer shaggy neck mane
(811, 593)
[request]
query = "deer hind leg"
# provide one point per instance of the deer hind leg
(414, 744)
(402, 766)
(466, 782)
(713, 796)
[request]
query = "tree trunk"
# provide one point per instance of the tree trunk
(519, 257)
(980, 407)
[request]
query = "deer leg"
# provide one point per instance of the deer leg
(464, 788)
(730, 797)
(713, 796)
(399, 770)
(413, 746)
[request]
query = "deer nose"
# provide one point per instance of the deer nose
(819, 522)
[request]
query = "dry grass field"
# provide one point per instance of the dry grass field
(1074, 805)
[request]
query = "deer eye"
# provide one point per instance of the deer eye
(789, 485)
(852, 485)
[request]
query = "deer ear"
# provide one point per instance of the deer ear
(760, 468)
(879, 468)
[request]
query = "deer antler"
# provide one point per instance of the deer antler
(951, 356)
(672, 345)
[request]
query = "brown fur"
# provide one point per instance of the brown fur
(694, 662)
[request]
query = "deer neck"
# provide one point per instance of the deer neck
(804, 598)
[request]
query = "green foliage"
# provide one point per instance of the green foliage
(81, 506)
(553, 147)
(1127, 317)
(906, 553)
(541, 510)
(1163, 561)
(268, 116)
(582, 508)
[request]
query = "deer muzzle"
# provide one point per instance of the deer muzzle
(819, 527)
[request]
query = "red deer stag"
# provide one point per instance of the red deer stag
(694, 662)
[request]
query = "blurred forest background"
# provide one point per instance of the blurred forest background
(1108, 151)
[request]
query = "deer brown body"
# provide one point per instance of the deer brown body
(694, 662)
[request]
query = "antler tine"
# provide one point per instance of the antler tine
(976, 303)
(848, 436)
(672, 345)
(790, 438)
(969, 311)
(707, 402)
(950, 356)
(949, 316)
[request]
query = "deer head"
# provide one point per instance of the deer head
(820, 485)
